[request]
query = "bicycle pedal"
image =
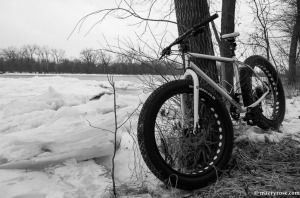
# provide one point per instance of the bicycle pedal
(249, 119)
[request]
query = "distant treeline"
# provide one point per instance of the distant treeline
(35, 59)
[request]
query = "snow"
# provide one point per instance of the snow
(68, 181)
(56, 142)
(290, 126)
(48, 120)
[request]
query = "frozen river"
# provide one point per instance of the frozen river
(102, 78)
(97, 77)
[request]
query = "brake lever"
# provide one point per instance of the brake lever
(161, 57)
(165, 51)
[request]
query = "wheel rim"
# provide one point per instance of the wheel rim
(185, 151)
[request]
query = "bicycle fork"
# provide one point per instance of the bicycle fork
(190, 72)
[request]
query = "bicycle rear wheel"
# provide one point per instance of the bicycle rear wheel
(176, 154)
(270, 112)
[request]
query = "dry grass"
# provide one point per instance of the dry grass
(258, 167)
(262, 167)
(272, 167)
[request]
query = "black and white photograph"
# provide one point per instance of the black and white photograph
(149, 99)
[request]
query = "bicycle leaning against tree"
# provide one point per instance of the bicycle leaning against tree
(185, 132)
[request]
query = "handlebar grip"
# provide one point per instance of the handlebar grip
(207, 20)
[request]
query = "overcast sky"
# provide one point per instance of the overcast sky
(49, 22)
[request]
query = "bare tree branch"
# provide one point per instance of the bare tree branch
(126, 12)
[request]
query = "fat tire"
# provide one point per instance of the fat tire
(150, 152)
(276, 87)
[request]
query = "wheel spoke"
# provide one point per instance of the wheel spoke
(182, 148)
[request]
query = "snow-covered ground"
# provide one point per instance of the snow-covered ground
(50, 131)
(49, 120)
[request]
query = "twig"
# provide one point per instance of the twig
(98, 127)
(111, 81)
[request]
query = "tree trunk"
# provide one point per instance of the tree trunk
(227, 26)
(188, 14)
(293, 48)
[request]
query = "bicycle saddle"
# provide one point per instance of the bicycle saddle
(231, 35)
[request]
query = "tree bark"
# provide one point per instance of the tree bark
(227, 26)
(293, 48)
(188, 14)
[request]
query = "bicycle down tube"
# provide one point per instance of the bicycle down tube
(193, 70)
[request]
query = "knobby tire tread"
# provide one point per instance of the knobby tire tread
(260, 120)
(159, 169)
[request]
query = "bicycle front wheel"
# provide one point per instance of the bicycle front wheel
(175, 153)
(270, 112)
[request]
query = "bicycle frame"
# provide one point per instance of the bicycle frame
(193, 71)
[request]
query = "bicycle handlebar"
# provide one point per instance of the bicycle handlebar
(207, 20)
(195, 28)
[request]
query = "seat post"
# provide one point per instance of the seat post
(232, 46)
(230, 38)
